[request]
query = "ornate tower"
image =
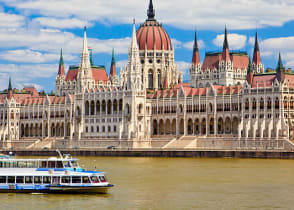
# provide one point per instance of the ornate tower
(226, 65)
(156, 54)
(60, 79)
(257, 65)
(113, 73)
(196, 65)
(85, 79)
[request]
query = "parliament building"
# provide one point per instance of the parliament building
(231, 100)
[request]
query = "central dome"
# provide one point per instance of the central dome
(152, 35)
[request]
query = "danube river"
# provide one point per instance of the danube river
(176, 183)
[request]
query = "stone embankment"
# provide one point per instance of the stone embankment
(159, 153)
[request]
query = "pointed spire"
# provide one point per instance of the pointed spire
(226, 52)
(151, 11)
(196, 57)
(256, 53)
(226, 43)
(9, 85)
(113, 66)
(85, 42)
(10, 92)
(280, 67)
(61, 71)
(134, 36)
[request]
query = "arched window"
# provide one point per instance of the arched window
(269, 103)
(87, 106)
(261, 103)
(120, 105)
(277, 105)
(98, 107)
(109, 107)
(254, 104)
(150, 79)
(247, 104)
(103, 106)
(285, 103)
(159, 79)
(92, 108)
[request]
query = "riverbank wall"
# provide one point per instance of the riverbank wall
(159, 153)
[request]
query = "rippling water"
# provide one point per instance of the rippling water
(176, 183)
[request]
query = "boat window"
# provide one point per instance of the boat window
(94, 179)
(51, 164)
(38, 180)
(66, 164)
(29, 180)
(11, 180)
(2, 179)
(59, 164)
(19, 179)
(65, 179)
(56, 180)
(102, 178)
(76, 179)
(74, 164)
(7, 164)
(44, 164)
(86, 180)
(46, 179)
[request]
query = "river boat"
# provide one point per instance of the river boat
(52, 175)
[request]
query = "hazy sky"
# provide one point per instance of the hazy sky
(32, 32)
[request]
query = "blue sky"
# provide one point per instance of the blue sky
(32, 32)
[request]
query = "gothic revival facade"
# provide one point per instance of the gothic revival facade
(228, 96)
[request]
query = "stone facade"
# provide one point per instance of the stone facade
(227, 97)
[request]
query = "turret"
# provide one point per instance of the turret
(85, 73)
(196, 57)
(10, 92)
(61, 71)
(249, 76)
(226, 52)
(113, 66)
(151, 11)
(257, 65)
(280, 70)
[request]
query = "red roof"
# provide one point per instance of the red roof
(212, 61)
(263, 80)
(98, 74)
(152, 33)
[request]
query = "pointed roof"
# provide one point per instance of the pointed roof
(85, 42)
(113, 67)
(134, 37)
(61, 71)
(256, 53)
(226, 52)
(280, 67)
(9, 85)
(151, 11)
(196, 57)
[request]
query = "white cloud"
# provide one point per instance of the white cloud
(25, 74)
(62, 23)
(189, 45)
(272, 46)
(11, 20)
(213, 14)
(29, 56)
(236, 41)
(53, 40)
(184, 66)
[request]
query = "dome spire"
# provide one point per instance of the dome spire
(256, 52)
(151, 11)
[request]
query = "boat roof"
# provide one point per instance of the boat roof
(48, 159)
(33, 172)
